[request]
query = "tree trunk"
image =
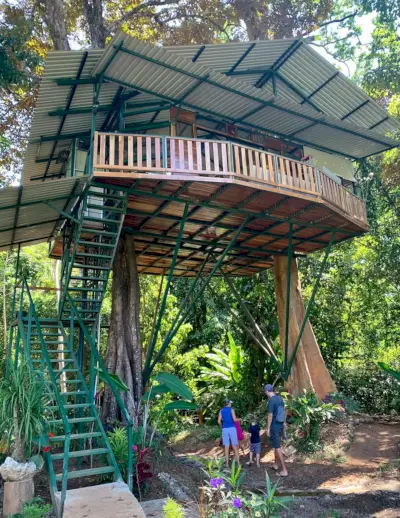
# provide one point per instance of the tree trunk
(55, 20)
(95, 21)
(309, 370)
(124, 350)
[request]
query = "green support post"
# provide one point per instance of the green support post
(172, 332)
(152, 345)
(288, 285)
(73, 157)
(14, 302)
(310, 304)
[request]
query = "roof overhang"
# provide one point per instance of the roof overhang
(35, 213)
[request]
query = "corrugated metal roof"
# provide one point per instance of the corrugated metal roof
(26, 218)
(175, 74)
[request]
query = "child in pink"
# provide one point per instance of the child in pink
(240, 435)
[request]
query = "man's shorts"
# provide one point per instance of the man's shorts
(255, 447)
(229, 436)
(275, 436)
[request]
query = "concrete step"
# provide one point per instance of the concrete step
(103, 501)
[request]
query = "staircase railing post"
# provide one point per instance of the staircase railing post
(14, 303)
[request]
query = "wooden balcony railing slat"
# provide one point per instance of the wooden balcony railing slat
(157, 154)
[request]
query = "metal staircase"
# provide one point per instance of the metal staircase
(74, 443)
(89, 244)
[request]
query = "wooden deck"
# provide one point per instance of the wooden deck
(222, 184)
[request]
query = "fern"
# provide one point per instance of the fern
(173, 510)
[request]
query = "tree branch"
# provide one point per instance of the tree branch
(141, 7)
(330, 22)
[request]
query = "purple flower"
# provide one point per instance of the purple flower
(216, 482)
(237, 503)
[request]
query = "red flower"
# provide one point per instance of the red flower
(46, 449)
(51, 434)
(134, 447)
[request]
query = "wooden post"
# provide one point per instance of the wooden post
(309, 370)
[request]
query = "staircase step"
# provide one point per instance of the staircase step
(95, 244)
(81, 453)
(58, 351)
(87, 472)
(83, 278)
(67, 381)
(69, 407)
(65, 370)
(91, 267)
(77, 288)
(75, 436)
(74, 420)
(99, 232)
(106, 195)
(105, 208)
(74, 393)
(106, 221)
(51, 342)
(55, 360)
(95, 256)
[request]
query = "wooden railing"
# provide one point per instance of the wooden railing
(178, 156)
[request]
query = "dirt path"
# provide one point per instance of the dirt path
(373, 445)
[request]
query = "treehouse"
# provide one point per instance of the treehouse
(218, 160)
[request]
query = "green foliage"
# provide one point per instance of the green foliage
(376, 391)
(225, 367)
(21, 409)
(118, 439)
(309, 413)
(392, 372)
(35, 508)
(224, 495)
(172, 509)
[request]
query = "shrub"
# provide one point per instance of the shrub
(376, 391)
(309, 413)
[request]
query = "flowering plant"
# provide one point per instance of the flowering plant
(224, 497)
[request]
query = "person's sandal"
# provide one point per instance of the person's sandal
(274, 468)
(249, 463)
(282, 475)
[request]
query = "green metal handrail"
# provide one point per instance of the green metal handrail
(64, 417)
(110, 381)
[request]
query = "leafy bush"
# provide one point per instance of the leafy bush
(376, 391)
(308, 414)
(35, 508)
(173, 510)
(119, 444)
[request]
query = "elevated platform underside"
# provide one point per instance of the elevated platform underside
(216, 210)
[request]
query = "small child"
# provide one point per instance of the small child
(240, 435)
(255, 443)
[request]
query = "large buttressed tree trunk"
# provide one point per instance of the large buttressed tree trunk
(124, 350)
(309, 370)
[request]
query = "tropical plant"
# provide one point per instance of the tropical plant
(163, 383)
(172, 509)
(35, 508)
(118, 439)
(225, 368)
(224, 497)
(21, 410)
(308, 414)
